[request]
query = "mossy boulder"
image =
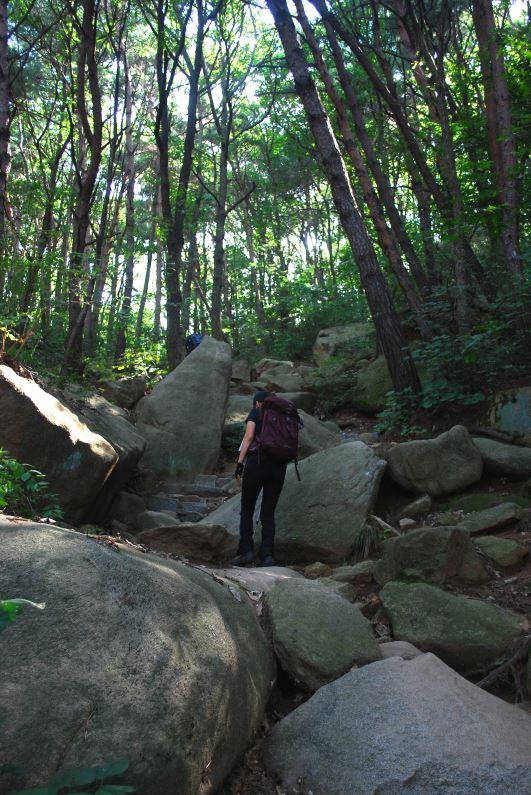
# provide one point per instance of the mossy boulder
(504, 459)
(317, 635)
(492, 518)
(431, 554)
(372, 385)
(468, 634)
(504, 552)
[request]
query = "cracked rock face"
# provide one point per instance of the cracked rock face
(396, 725)
(134, 656)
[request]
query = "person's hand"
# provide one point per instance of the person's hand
(239, 470)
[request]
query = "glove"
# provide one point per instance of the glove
(239, 469)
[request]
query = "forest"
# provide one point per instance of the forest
(258, 171)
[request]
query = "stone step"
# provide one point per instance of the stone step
(162, 502)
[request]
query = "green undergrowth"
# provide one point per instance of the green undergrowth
(24, 491)
(481, 501)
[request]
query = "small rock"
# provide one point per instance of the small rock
(315, 570)
(359, 575)
(417, 508)
(504, 552)
(343, 589)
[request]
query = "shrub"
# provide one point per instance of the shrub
(24, 490)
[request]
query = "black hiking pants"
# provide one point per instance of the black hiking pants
(260, 474)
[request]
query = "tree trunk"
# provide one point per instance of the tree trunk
(147, 277)
(499, 128)
(129, 176)
(388, 330)
(5, 121)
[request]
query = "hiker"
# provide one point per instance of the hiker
(261, 466)
(192, 341)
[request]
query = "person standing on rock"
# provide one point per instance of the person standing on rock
(258, 472)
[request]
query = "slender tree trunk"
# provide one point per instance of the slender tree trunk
(499, 128)
(159, 267)
(219, 234)
(151, 244)
(388, 330)
(129, 176)
(5, 121)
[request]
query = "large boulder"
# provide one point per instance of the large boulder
(268, 364)
(315, 436)
(317, 635)
(282, 382)
(113, 424)
(504, 459)
(134, 656)
(40, 430)
(183, 417)
(431, 554)
(241, 370)
(443, 465)
(356, 339)
(321, 516)
(466, 633)
(397, 725)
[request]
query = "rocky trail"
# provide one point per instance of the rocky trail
(389, 652)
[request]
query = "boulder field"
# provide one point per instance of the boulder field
(141, 654)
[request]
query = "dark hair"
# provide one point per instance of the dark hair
(260, 396)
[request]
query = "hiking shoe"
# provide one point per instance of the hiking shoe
(267, 561)
(245, 559)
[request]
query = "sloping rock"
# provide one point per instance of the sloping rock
(316, 634)
(356, 339)
(241, 370)
(38, 429)
(448, 463)
(257, 581)
(492, 518)
(504, 459)
(431, 554)
(197, 540)
(125, 392)
(154, 520)
(343, 589)
(403, 726)
(320, 517)
(503, 552)
(135, 656)
(315, 436)
(183, 417)
(113, 424)
(466, 633)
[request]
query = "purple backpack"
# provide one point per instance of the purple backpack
(279, 436)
